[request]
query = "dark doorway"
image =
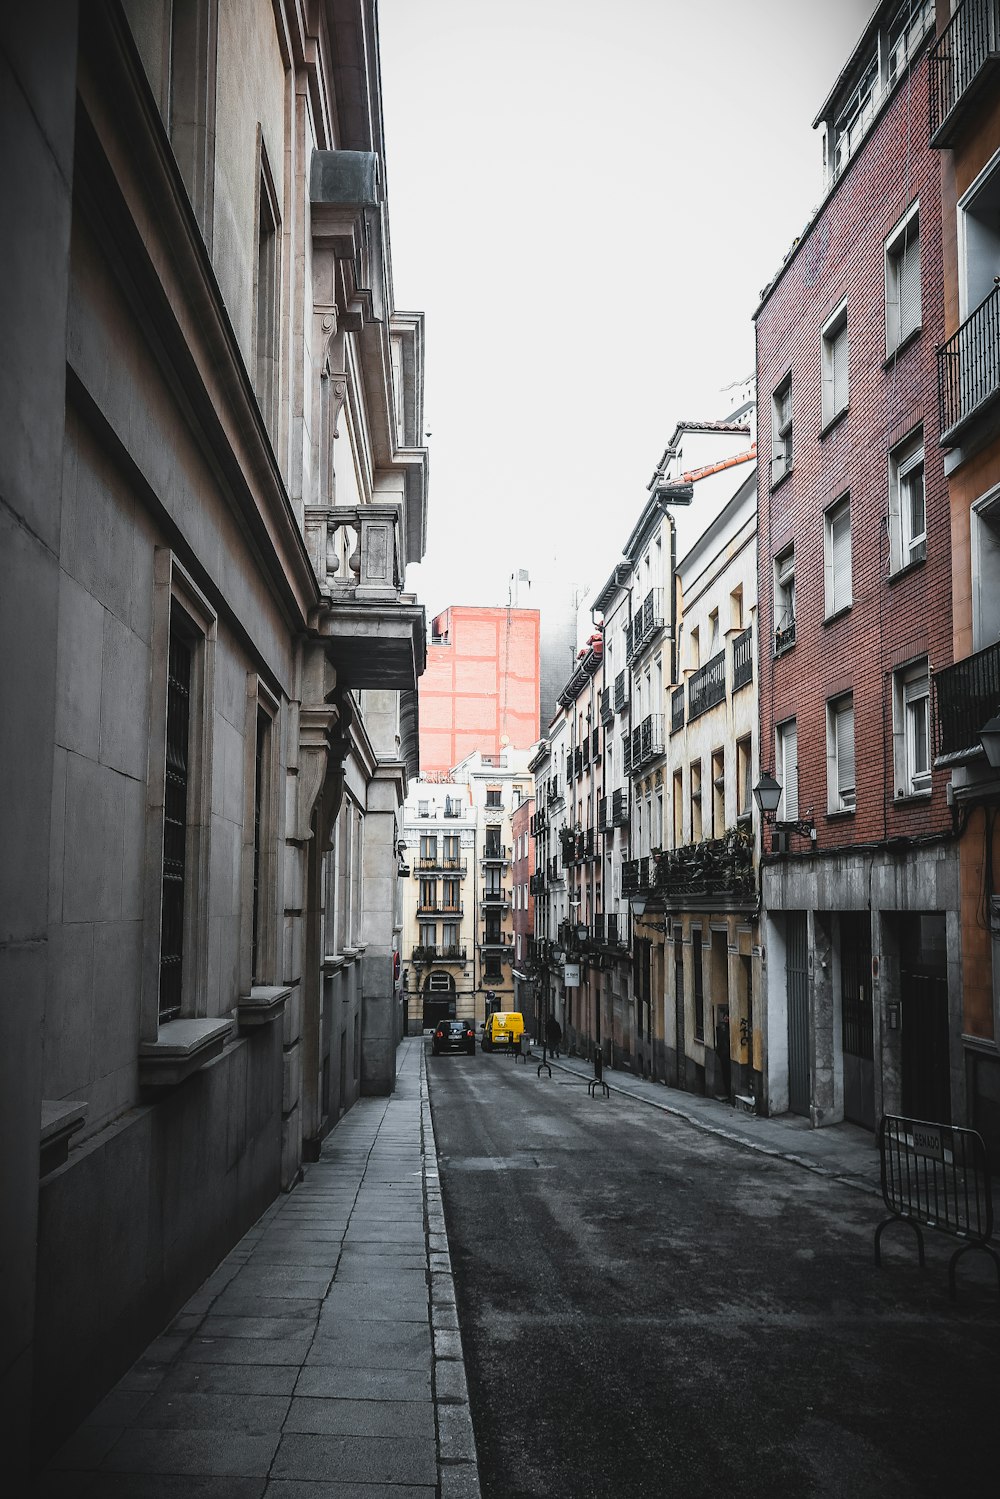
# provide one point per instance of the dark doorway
(923, 991)
(439, 999)
(856, 1025)
(797, 996)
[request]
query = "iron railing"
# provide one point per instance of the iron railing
(636, 875)
(784, 633)
(443, 863)
(707, 687)
(960, 61)
(715, 868)
(450, 953)
(536, 882)
(495, 853)
(497, 897)
(619, 808)
(647, 741)
(607, 706)
(621, 692)
(966, 696)
(677, 710)
(743, 658)
(969, 366)
(604, 823)
(595, 745)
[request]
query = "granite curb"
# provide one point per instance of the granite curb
(458, 1468)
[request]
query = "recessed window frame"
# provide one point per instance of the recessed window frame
(911, 712)
(781, 430)
(907, 542)
(841, 776)
(837, 559)
(786, 763)
(903, 269)
(835, 361)
(259, 943)
(784, 600)
(267, 293)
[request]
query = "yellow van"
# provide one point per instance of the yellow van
(502, 1028)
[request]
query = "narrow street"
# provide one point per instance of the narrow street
(649, 1310)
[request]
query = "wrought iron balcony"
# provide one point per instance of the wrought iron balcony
(626, 753)
(568, 846)
(620, 808)
(539, 822)
(784, 633)
(717, 870)
(536, 882)
(552, 871)
(647, 742)
(966, 696)
(677, 710)
(578, 761)
(498, 941)
(439, 908)
(604, 822)
(621, 692)
(636, 875)
(450, 953)
(569, 766)
(962, 62)
(969, 369)
(373, 634)
(495, 853)
(605, 931)
(495, 898)
(743, 658)
(595, 745)
(585, 750)
(607, 706)
(646, 624)
(439, 864)
(707, 687)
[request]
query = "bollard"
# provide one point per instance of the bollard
(597, 1081)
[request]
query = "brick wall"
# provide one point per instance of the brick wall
(890, 621)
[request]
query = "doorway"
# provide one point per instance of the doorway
(797, 998)
(923, 992)
(439, 999)
(856, 1022)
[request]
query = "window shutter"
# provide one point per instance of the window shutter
(790, 772)
(909, 283)
(840, 557)
(844, 729)
(839, 360)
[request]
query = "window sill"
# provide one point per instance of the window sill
(61, 1119)
(838, 416)
(830, 619)
(776, 483)
(181, 1047)
(908, 568)
(843, 813)
(263, 1004)
(893, 354)
(782, 650)
(910, 798)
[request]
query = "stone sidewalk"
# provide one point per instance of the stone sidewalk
(843, 1151)
(322, 1359)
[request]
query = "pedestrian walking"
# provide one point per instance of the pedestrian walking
(553, 1035)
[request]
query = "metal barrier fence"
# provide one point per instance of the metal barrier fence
(936, 1176)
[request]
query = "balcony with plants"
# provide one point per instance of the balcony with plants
(714, 874)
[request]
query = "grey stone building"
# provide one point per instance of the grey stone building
(212, 481)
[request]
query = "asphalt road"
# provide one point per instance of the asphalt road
(647, 1310)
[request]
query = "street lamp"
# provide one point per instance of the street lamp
(638, 904)
(767, 795)
(989, 738)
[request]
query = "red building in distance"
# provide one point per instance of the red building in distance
(522, 879)
(480, 689)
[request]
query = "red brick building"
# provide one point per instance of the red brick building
(480, 689)
(861, 891)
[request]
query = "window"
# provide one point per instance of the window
(175, 820)
(428, 846)
(678, 808)
(718, 793)
(744, 779)
(695, 647)
(428, 895)
(493, 797)
(834, 357)
(736, 608)
(902, 281)
(492, 968)
(423, 809)
(856, 115)
(428, 933)
(452, 849)
(451, 894)
(266, 297)
(986, 570)
(781, 430)
(699, 984)
(838, 557)
(978, 254)
(262, 714)
(907, 507)
(911, 729)
(786, 759)
(695, 784)
(784, 600)
(840, 754)
(449, 934)
(905, 33)
(713, 634)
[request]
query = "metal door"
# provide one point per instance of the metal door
(681, 1077)
(926, 1071)
(797, 995)
(856, 1023)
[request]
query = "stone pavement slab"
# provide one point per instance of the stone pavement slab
(321, 1359)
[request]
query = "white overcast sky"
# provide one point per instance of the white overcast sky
(586, 200)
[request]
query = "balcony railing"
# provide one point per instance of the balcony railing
(501, 940)
(646, 624)
(967, 695)
(447, 954)
(626, 753)
(607, 706)
(578, 761)
(605, 931)
(969, 368)
(707, 688)
(495, 898)
(743, 658)
(718, 869)
(595, 745)
(620, 809)
(536, 882)
(604, 822)
(585, 750)
(496, 853)
(621, 692)
(784, 633)
(443, 863)
(438, 908)
(962, 61)
(569, 766)
(647, 741)
(677, 710)
(539, 822)
(552, 871)
(635, 876)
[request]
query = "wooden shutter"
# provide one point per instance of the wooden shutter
(789, 740)
(840, 557)
(839, 361)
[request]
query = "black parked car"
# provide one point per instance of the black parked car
(454, 1035)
